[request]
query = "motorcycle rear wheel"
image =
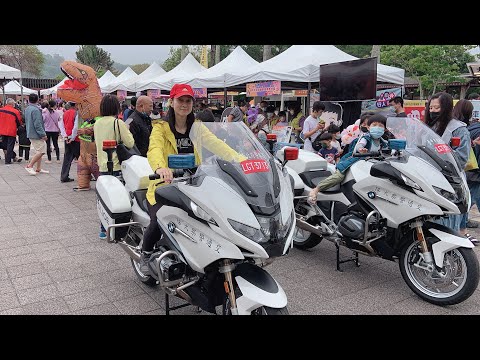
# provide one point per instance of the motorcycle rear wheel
(457, 281)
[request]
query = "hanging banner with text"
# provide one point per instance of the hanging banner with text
(476, 109)
(382, 98)
(199, 93)
(266, 88)
(153, 93)
(415, 109)
(121, 94)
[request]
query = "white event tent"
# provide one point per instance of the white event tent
(216, 76)
(53, 90)
(150, 73)
(119, 82)
(14, 88)
(106, 79)
(8, 72)
(301, 63)
(188, 66)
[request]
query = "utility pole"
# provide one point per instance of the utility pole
(217, 54)
(184, 52)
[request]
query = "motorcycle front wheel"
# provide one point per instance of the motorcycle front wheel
(262, 310)
(455, 282)
(303, 239)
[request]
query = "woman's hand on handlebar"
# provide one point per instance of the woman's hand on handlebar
(165, 174)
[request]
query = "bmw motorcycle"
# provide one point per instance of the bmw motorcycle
(222, 221)
(389, 205)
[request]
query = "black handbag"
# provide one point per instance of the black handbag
(123, 153)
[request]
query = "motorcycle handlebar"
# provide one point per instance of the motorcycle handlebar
(367, 154)
(176, 173)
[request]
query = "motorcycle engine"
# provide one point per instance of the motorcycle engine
(351, 226)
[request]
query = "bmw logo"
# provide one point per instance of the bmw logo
(371, 195)
(171, 227)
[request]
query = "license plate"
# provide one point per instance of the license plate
(254, 166)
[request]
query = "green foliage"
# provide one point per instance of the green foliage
(95, 57)
(26, 58)
(429, 64)
(359, 51)
(139, 68)
(175, 54)
(51, 67)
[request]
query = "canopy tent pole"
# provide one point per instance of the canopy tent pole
(308, 97)
(225, 97)
(281, 101)
(21, 90)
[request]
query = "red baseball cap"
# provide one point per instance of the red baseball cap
(181, 90)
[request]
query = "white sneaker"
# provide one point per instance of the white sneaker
(31, 171)
(43, 171)
(48, 161)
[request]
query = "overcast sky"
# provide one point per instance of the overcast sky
(123, 54)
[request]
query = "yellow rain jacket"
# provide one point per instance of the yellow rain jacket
(162, 144)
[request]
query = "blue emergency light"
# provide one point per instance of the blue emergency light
(185, 161)
(397, 144)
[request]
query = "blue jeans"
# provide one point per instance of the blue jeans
(115, 173)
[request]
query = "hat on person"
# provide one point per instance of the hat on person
(181, 90)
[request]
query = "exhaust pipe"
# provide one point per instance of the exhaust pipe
(130, 250)
(317, 230)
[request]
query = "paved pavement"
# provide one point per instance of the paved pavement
(52, 262)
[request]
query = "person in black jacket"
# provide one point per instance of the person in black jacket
(140, 123)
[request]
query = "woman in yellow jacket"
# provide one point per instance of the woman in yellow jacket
(172, 137)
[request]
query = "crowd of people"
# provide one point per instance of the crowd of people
(140, 124)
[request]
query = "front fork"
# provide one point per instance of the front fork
(427, 254)
(227, 269)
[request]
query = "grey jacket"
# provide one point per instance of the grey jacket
(34, 122)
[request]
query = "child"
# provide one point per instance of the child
(282, 119)
(328, 152)
(23, 142)
(370, 142)
(334, 130)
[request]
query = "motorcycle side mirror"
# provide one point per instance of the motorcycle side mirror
(455, 141)
(186, 161)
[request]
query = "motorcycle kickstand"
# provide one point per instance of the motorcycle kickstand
(167, 305)
(354, 258)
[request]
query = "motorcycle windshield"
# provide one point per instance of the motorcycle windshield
(424, 143)
(230, 151)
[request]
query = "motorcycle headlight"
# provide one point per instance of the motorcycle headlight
(202, 214)
(447, 195)
(248, 231)
(410, 182)
(271, 228)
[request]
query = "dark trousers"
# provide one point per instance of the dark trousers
(152, 232)
(9, 144)
(21, 149)
(53, 135)
(72, 151)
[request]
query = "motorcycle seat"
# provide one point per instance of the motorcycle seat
(312, 178)
(141, 198)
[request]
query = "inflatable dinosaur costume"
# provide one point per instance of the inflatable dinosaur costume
(82, 88)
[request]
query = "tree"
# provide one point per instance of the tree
(429, 64)
(184, 52)
(256, 51)
(174, 56)
(95, 57)
(376, 52)
(359, 51)
(26, 58)
(218, 49)
(139, 68)
(267, 52)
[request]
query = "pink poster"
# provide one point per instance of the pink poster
(200, 92)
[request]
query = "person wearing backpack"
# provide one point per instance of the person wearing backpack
(312, 127)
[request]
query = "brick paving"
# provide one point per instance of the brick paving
(52, 262)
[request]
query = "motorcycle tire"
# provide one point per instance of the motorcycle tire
(262, 310)
(418, 280)
(311, 241)
(145, 279)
